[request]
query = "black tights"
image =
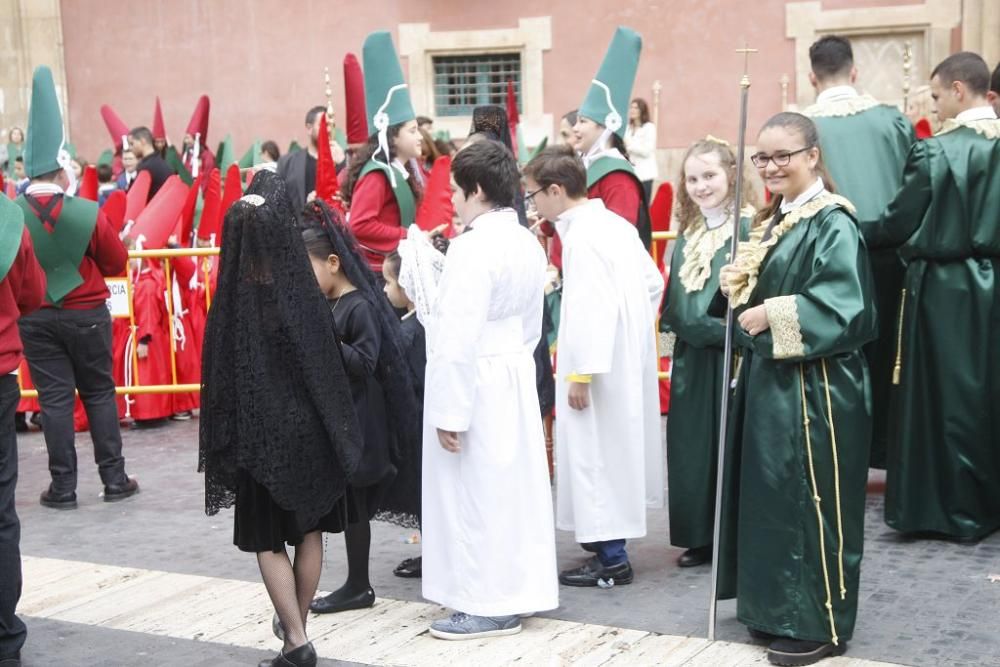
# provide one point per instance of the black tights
(358, 540)
(291, 587)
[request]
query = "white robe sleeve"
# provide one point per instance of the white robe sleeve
(462, 308)
(651, 276)
(589, 316)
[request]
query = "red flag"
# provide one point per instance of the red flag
(159, 129)
(114, 209)
(157, 221)
(659, 216)
(354, 100)
(435, 206)
(513, 117)
(327, 186)
(186, 221)
(88, 184)
(116, 127)
(138, 193)
(230, 194)
(211, 212)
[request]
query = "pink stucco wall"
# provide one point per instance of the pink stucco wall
(262, 62)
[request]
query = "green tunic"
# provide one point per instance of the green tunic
(783, 555)
(695, 340)
(61, 250)
(944, 448)
(864, 146)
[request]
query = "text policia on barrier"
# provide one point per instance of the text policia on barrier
(120, 305)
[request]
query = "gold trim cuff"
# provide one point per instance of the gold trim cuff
(786, 333)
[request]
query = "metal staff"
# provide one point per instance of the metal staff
(727, 364)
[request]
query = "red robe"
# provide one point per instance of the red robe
(152, 328)
(191, 319)
(375, 218)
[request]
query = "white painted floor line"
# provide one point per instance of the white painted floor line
(393, 632)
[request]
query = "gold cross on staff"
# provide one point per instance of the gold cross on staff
(746, 51)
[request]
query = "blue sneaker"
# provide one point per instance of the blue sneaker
(466, 626)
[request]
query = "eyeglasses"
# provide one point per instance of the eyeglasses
(780, 159)
(530, 197)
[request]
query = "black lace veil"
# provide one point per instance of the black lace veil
(276, 400)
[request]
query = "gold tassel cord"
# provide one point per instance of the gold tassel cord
(897, 369)
(836, 482)
(819, 513)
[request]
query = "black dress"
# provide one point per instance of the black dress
(360, 343)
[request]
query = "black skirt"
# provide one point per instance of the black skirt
(259, 524)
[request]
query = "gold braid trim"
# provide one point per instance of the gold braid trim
(816, 504)
(786, 332)
(701, 244)
(666, 344)
(840, 108)
(750, 254)
(897, 368)
(836, 481)
(989, 128)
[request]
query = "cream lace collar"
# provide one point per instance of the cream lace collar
(843, 106)
(988, 127)
(701, 244)
(751, 254)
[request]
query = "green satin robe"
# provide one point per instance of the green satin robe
(695, 398)
(865, 153)
(943, 469)
(771, 555)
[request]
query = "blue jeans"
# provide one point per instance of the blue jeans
(609, 552)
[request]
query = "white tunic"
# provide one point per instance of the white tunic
(609, 456)
(488, 535)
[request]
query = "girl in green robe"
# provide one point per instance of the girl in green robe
(800, 427)
(695, 340)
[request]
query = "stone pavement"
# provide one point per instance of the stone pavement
(922, 603)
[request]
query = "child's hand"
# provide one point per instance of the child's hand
(726, 275)
(754, 320)
(579, 395)
(142, 350)
(449, 441)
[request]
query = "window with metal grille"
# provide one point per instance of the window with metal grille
(462, 83)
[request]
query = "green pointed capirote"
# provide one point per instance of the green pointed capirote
(387, 97)
(610, 92)
(45, 128)
(225, 156)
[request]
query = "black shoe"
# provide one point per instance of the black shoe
(411, 568)
(182, 416)
(335, 602)
(695, 557)
(593, 571)
(759, 635)
(11, 661)
(799, 652)
(58, 501)
(20, 426)
(303, 656)
(113, 494)
(36, 419)
(589, 547)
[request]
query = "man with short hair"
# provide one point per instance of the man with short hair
(607, 392)
(943, 468)
(140, 141)
(129, 165)
(298, 168)
(68, 341)
(488, 540)
(864, 145)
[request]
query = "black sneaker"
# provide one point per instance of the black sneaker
(799, 652)
(58, 501)
(592, 573)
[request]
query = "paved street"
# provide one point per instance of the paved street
(153, 581)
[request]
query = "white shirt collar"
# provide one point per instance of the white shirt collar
(590, 208)
(716, 217)
(835, 93)
(42, 188)
(810, 193)
(977, 113)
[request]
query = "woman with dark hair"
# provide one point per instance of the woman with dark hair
(800, 424)
(384, 399)
(640, 140)
(278, 434)
(382, 187)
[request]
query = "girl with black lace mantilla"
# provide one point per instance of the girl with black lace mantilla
(279, 437)
(368, 331)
